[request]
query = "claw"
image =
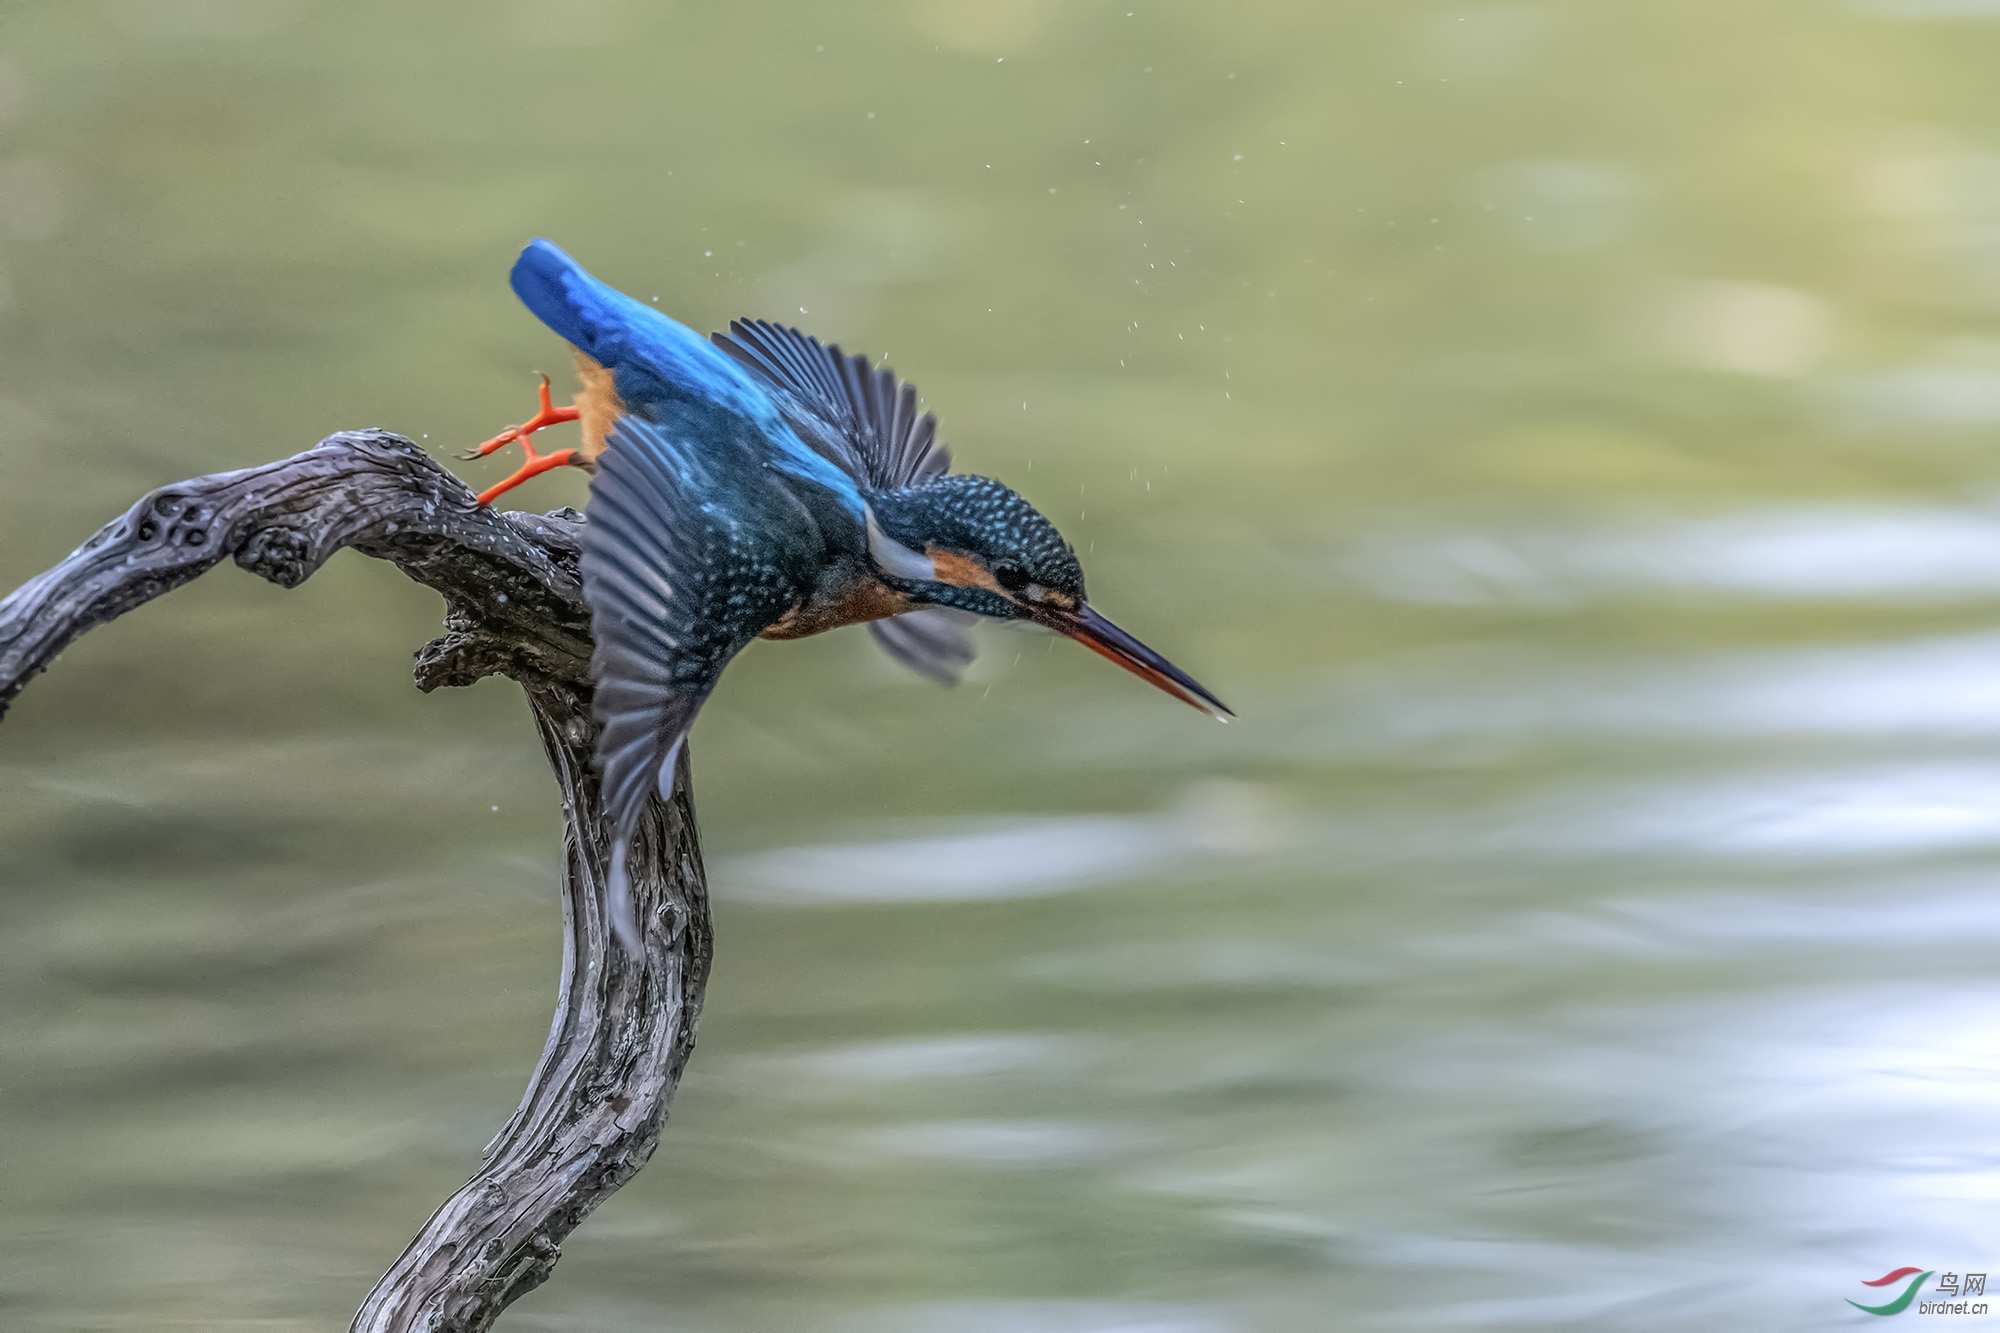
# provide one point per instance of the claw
(549, 415)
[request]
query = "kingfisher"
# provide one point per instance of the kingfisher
(759, 484)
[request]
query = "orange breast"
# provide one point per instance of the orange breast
(864, 599)
(597, 406)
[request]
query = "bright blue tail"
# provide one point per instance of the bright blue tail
(566, 298)
(662, 370)
(653, 357)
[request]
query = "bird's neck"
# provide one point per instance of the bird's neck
(931, 513)
(931, 523)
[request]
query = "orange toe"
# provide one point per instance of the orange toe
(536, 465)
(547, 415)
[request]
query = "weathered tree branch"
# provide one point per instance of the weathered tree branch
(623, 1031)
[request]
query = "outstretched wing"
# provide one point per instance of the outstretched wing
(650, 575)
(865, 420)
(861, 417)
(935, 641)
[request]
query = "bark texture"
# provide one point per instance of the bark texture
(623, 1030)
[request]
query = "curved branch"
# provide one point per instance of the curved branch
(622, 1031)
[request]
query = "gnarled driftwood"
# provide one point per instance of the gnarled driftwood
(513, 606)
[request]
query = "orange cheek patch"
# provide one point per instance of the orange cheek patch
(598, 406)
(961, 571)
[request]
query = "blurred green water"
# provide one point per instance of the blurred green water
(1562, 431)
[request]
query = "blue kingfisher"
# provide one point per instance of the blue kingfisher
(757, 484)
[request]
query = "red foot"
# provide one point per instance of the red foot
(537, 464)
(549, 415)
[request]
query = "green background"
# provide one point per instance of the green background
(1563, 431)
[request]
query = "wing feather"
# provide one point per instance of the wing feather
(861, 416)
(647, 575)
(935, 642)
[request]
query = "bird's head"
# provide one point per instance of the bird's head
(969, 542)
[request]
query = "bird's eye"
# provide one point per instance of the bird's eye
(1010, 578)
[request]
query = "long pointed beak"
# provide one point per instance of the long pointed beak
(1099, 635)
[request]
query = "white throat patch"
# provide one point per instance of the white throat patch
(896, 558)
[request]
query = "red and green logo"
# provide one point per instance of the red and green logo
(1900, 1303)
